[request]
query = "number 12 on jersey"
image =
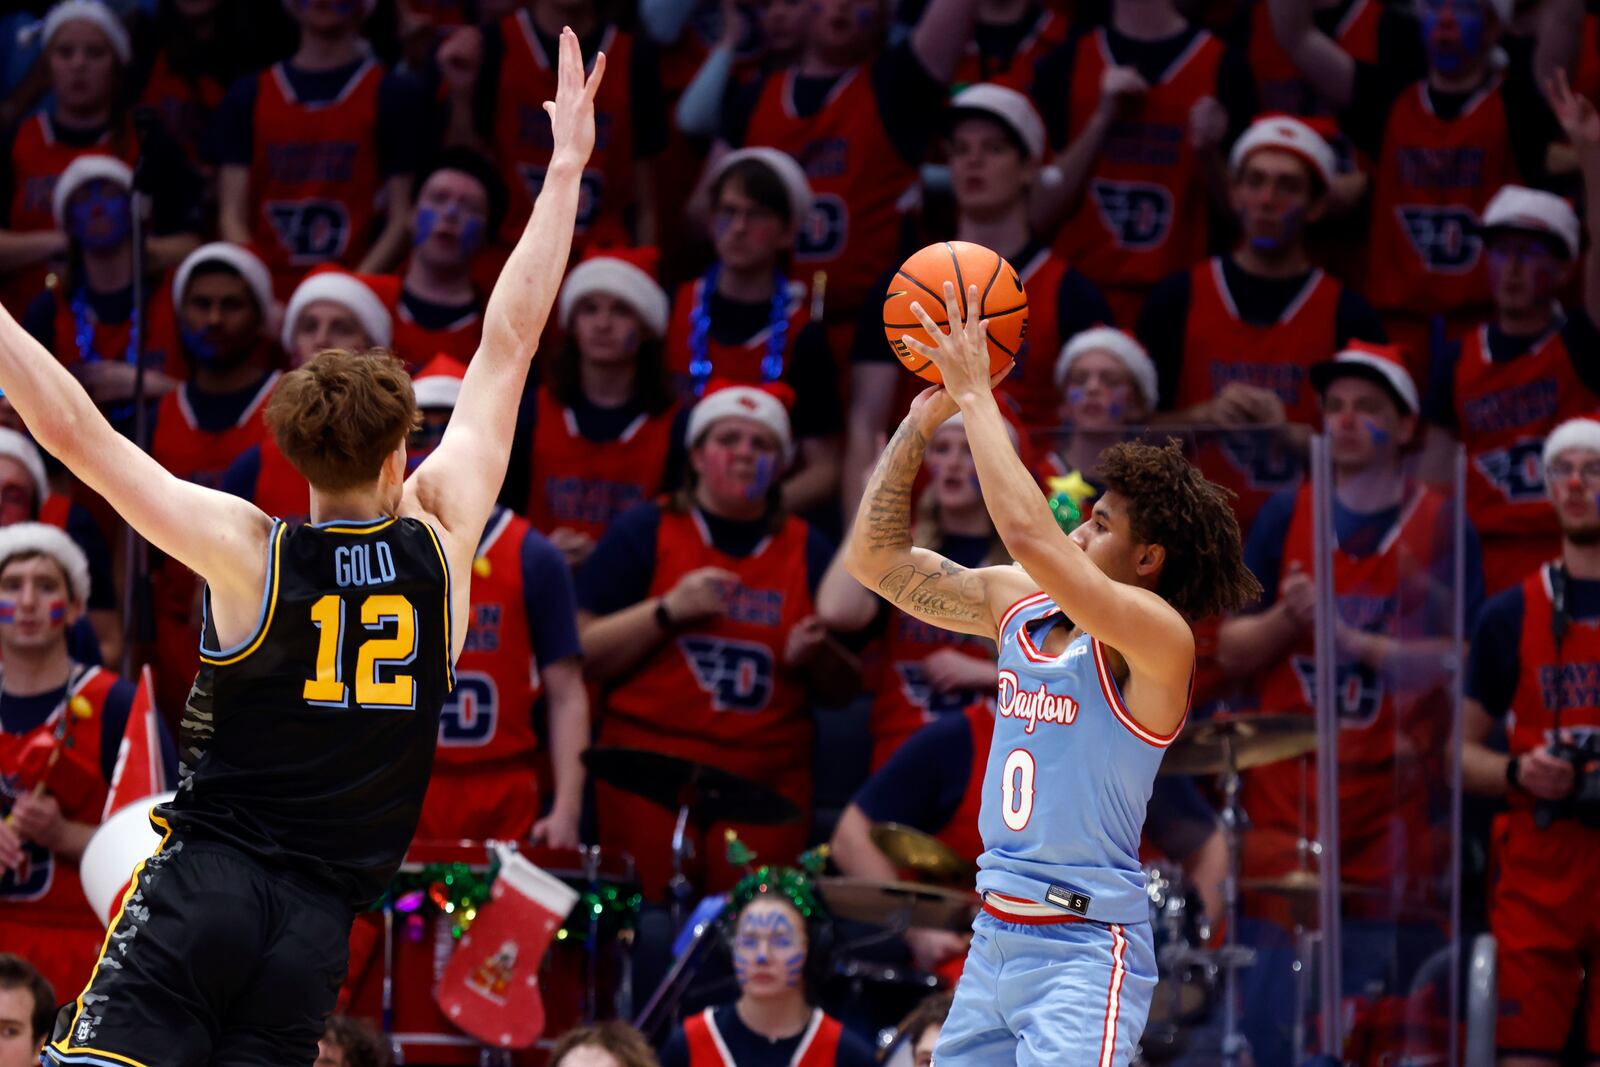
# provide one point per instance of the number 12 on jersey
(377, 653)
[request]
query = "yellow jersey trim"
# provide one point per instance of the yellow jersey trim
(62, 1046)
(449, 643)
(265, 623)
(372, 527)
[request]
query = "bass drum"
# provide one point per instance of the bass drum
(1186, 983)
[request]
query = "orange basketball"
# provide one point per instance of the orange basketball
(920, 279)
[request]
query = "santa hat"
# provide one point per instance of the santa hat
(438, 383)
(243, 261)
(1383, 364)
(788, 172)
(767, 404)
(1128, 351)
(1013, 110)
(89, 11)
(1517, 207)
(1574, 433)
(82, 171)
(1289, 135)
(625, 273)
(50, 541)
(1005, 416)
(371, 298)
(14, 445)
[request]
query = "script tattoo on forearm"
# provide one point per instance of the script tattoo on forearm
(951, 592)
(886, 511)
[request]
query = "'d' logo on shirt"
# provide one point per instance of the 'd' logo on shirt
(1139, 214)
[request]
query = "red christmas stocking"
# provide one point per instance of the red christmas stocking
(490, 988)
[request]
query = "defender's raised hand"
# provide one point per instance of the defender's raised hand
(572, 111)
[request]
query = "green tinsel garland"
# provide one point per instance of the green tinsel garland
(459, 890)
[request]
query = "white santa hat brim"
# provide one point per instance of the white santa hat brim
(957, 422)
(1129, 353)
(1007, 106)
(1516, 207)
(82, 171)
(621, 279)
(745, 402)
(347, 291)
(1288, 135)
(14, 445)
(91, 11)
(437, 391)
(781, 163)
(50, 541)
(241, 259)
(1574, 433)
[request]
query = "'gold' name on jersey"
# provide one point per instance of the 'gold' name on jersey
(363, 565)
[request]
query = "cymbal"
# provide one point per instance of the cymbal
(898, 904)
(1298, 884)
(1253, 740)
(913, 850)
(710, 793)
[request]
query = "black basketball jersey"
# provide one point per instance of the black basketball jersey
(309, 745)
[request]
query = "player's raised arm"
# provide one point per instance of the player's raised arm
(880, 555)
(220, 537)
(456, 485)
(1150, 634)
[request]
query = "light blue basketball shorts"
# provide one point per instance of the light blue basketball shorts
(1073, 994)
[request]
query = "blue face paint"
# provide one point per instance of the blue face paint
(1114, 411)
(1451, 59)
(1288, 233)
(427, 219)
(471, 236)
(1378, 434)
(100, 216)
(198, 345)
(762, 480)
(1076, 394)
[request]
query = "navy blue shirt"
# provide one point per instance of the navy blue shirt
(400, 107)
(1494, 666)
(750, 1049)
(619, 572)
(548, 599)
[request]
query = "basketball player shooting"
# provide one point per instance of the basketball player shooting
(326, 653)
(1095, 672)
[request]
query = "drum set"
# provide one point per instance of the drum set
(590, 970)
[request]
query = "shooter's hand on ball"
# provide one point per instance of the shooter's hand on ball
(962, 355)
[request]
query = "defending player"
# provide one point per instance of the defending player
(1096, 666)
(327, 654)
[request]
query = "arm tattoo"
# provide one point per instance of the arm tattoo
(951, 592)
(885, 520)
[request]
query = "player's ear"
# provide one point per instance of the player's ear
(1150, 559)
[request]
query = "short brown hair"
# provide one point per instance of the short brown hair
(1171, 504)
(361, 1044)
(930, 1013)
(339, 416)
(618, 1038)
(18, 973)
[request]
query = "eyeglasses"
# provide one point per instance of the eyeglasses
(1561, 471)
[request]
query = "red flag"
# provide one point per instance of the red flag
(139, 770)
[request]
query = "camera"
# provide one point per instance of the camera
(1583, 803)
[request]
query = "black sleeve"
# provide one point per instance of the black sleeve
(814, 377)
(921, 785)
(619, 571)
(1160, 330)
(87, 535)
(178, 203)
(1177, 819)
(1532, 127)
(486, 93)
(677, 453)
(233, 125)
(1583, 341)
(7, 143)
(1052, 90)
(1236, 91)
(1371, 98)
(738, 104)
(1493, 666)
(647, 100)
(519, 469)
(869, 345)
(909, 101)
(1080, 305)
(401, 115)
(1400, 49)
(1355, 319)
(40, 320)
(1439, 403)
(114, 725)
(675, 1053)
(819, 555)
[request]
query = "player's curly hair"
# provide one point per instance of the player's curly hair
(338, 417)
(1171, 504)
(626, 1045)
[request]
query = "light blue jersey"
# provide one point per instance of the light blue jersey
(1068, 777)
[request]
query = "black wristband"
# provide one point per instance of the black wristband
(1513, 773)
(663, 617)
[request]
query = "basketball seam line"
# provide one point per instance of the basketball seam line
(983, 301)
(919, 285)
(961, 285)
